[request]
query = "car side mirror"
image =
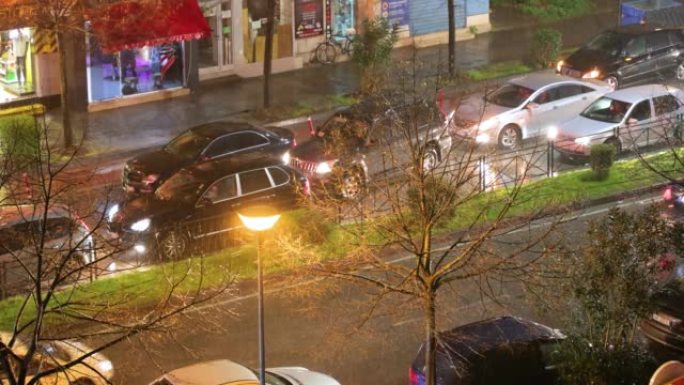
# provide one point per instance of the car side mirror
(532, 106)
(632, 121)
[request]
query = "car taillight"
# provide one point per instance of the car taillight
(293, 143)
(667, 195)
(415, 377)
(307, 187)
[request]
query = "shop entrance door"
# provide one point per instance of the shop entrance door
(216, 50)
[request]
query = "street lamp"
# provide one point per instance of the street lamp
(259, 219)
(551, 135)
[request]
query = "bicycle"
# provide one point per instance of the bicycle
(326, 52)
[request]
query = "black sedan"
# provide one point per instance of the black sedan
(201, 203)
(504, 350)
(205, 143)
(628, 55)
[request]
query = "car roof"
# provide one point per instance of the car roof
(11, 214)
(217, 372)
(208, 171)
(638, 29)
(216, 129)
(473, 340)
(538, 80)
(638, 93)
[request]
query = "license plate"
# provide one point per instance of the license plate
(571, 72)
(665, 319)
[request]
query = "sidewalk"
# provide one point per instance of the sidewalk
(125, 130)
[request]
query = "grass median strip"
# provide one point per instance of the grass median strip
(147, 287)
(498, 70)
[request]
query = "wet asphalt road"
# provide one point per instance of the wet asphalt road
(322, 325)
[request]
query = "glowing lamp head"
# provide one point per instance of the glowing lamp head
(259, 218)
(552, 133)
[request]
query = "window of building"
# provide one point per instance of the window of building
(133, 71)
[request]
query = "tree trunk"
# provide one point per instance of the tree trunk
(430, 340)
(452, 38)
(268, 55)
(64, 99)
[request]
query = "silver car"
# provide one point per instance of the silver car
(225, 372)
(524, 107)
(628, 119)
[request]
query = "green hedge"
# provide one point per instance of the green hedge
(20, 136)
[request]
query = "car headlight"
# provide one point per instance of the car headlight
(559, 66)
(487, 124)
(583, 141)
(141, 225)
(324, 168)
(286, 158)
(149, 179)
(112, 212)
(482, 138)
(593, 74)
(105, 366)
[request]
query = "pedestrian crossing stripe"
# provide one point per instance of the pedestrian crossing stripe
(44, 41)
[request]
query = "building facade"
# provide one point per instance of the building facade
(167, 51)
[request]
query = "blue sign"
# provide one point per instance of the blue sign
(396, 12)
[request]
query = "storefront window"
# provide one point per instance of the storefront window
(343, 17)
(16, 63)
(133, 71)
(254, 13)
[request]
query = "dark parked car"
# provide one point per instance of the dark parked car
(66, 238)
(205, 143)
(504, 350)
(664, 329)
(628, 55)
(201, 202)
(347, 150)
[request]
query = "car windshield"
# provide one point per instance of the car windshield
(187, 145)
(509, 95)
(608, 42)
(607, 110)
(181, 187)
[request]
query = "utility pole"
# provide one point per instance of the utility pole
(268, 54)
(619, 19)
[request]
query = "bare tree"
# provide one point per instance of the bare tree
(423, 199)
(53, 249)
(452, 37)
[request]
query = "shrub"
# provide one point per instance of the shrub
(312, 227)
(580, 361)
(20, 137)
(601, 159)
(546, 45)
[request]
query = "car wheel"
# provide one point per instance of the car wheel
(615, 143)
(510, 137)
(430, 158)
(679, 72)
(352, 184)
(612, 82)
(172, 245)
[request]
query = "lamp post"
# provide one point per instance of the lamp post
(259, 219)
(551, 135)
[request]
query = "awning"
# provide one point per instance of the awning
(135, 24)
